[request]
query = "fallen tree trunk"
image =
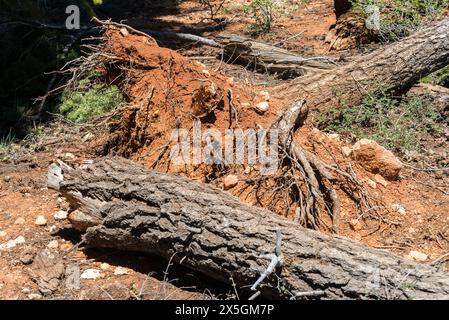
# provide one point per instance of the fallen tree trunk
(267, 58)
(397, 66)
(119, 204)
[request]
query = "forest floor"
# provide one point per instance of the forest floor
(412, 215)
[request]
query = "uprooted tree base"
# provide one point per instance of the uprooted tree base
(167, 91)
(163, 86)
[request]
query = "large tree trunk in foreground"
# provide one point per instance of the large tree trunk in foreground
(397, 66)
(211, 232)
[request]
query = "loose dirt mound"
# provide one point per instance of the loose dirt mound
(167, 91)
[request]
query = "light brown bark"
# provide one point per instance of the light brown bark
(397, 66)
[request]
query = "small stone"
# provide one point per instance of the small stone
(53, 230)
(371, 183)
(355, 225)
(6, 178)
(119, 271)
(417, 256)
(380, 180)
(20, 240)
(34, 296)
(61, 215)
(2, 234)
(245, 105)
(411, 230)
(40, 221)
(398, 208)
(346, 151)
(65, 247)
(91, 274)
(105, 266)
(230, 81)
(262, 107)
(230, 181)
(19, 221)
(264, 95)
(205, 72)
(69, 156)
(334, 136)
(26, 290)
(124, 32)
(88, 136)
(53, 244)
(27, 257)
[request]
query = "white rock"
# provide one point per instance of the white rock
(2, 234)
(53, 244)
(87, 137)
(205, 72)
(264, 95)
(334, 136)
(346, 151)
(53, 229)
(40, 221)
(20, 240)
(417, 256)
(69, 156)
(91, 274)
(400, 209)
(34, 296)
(230, 181)
(262, 107)
(61, 215)
(105, 266)
(12, 243)
(19, 221)
(119, 271)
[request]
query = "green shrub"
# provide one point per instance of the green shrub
(89, 100)
(262, 13)
(396, 123)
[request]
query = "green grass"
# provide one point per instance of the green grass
(394, 122)
(400, 18)
(90, 99)
(440, 77)
(6, 142)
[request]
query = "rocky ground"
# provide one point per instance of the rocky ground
(42, 257)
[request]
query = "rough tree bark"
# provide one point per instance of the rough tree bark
(397, 66)
(268, 58)
(210, 231)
